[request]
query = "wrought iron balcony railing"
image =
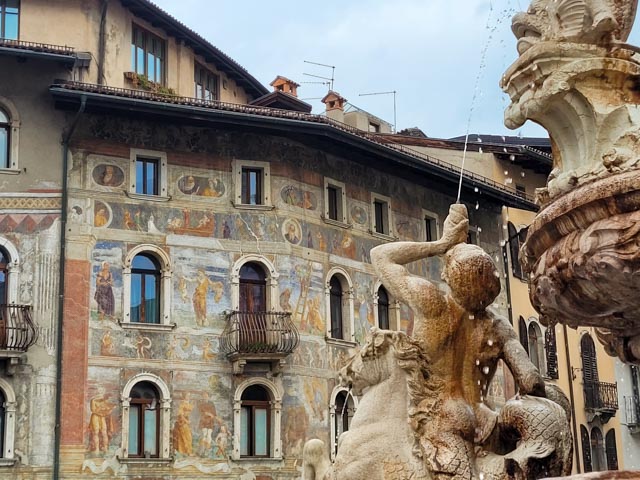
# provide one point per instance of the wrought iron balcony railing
(601, 397)
(267, 334)
(17, 328)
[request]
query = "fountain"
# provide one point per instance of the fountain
(577, 78)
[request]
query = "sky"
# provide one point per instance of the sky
(444, 58)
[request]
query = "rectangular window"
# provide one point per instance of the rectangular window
(374, 127)
(134, 431)
(147, 54)
(332, 199)
(381, 214)
(9, 19)
(252, 186)
(429, 228)
(206, 84)
(147, 173)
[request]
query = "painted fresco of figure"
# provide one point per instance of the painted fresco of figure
(110, 176)
(199, 297)
(188, 185)
(100, 425)
(214, 188)
(222, 442)
(101, 218)
(208, 420)
(182, 435)
(104, 292)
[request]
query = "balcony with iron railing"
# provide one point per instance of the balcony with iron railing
(632, 413)
(17, 330)
(601, 398)
(258, 337)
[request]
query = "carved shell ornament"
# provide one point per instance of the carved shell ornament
(580, 21)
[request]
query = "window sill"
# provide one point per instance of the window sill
(8, 462)
(246, 206)
(258, 459)
(383, 236)
(340, 342)
(151, 198)
(10, 171)
(149, 327)
(148, 462)
(336, 223)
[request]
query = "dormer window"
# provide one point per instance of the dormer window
(206, 84)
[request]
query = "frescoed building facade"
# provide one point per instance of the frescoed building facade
(192, 250)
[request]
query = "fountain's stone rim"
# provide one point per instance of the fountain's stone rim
(578, 209)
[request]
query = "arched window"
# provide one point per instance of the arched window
(536, 349)
(383, 308)
(341, 410)
(145, 289)
(253, 288)
(590, 372)
(522, 334)
(255, 424)
(256, 421)
(5, 139)
(4, 276)
(597, 450)
(345, 410)
(586, 449)
(335, 307)
(144, 421)
(146, 279)
(146, 416)
(7, 420)
(612, 450)
(551, 352)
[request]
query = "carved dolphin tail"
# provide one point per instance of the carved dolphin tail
(315, 460)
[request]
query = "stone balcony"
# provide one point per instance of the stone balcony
(17, 330)
(258, 337)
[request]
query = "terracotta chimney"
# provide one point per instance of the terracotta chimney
(334, 105)
(286, 85)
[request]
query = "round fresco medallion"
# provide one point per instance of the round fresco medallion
(291, 231)
(108, 175)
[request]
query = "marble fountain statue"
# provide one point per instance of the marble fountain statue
(423, 413)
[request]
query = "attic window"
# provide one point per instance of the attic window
(374, 127)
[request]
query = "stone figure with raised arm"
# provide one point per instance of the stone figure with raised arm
(463, 340)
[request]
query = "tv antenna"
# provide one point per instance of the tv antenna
(394, 103)
(333, 71)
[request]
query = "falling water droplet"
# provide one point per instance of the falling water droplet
(485, 370)
(490, 342)
(506, 172)
(479, 229)
(522, 174)
(477, 205)
(479, 149)
(512, 157)
(475, 189)
(477, 362)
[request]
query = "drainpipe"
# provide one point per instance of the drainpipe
(66, 137)
(102, 41)
(571, 398)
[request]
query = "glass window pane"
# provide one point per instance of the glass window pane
(134, 419)
(143, 262)
(150, 300)
(140, 61)
(253, 188)
(261, 433)
(4, 118)
(139, 177)
(244, 431)
(136, 296)
(151, 65)
(158, 70)
(151, 179)
(4, 148)
(150, 432)
(133, 57)
(3, 288)
(11, 22)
